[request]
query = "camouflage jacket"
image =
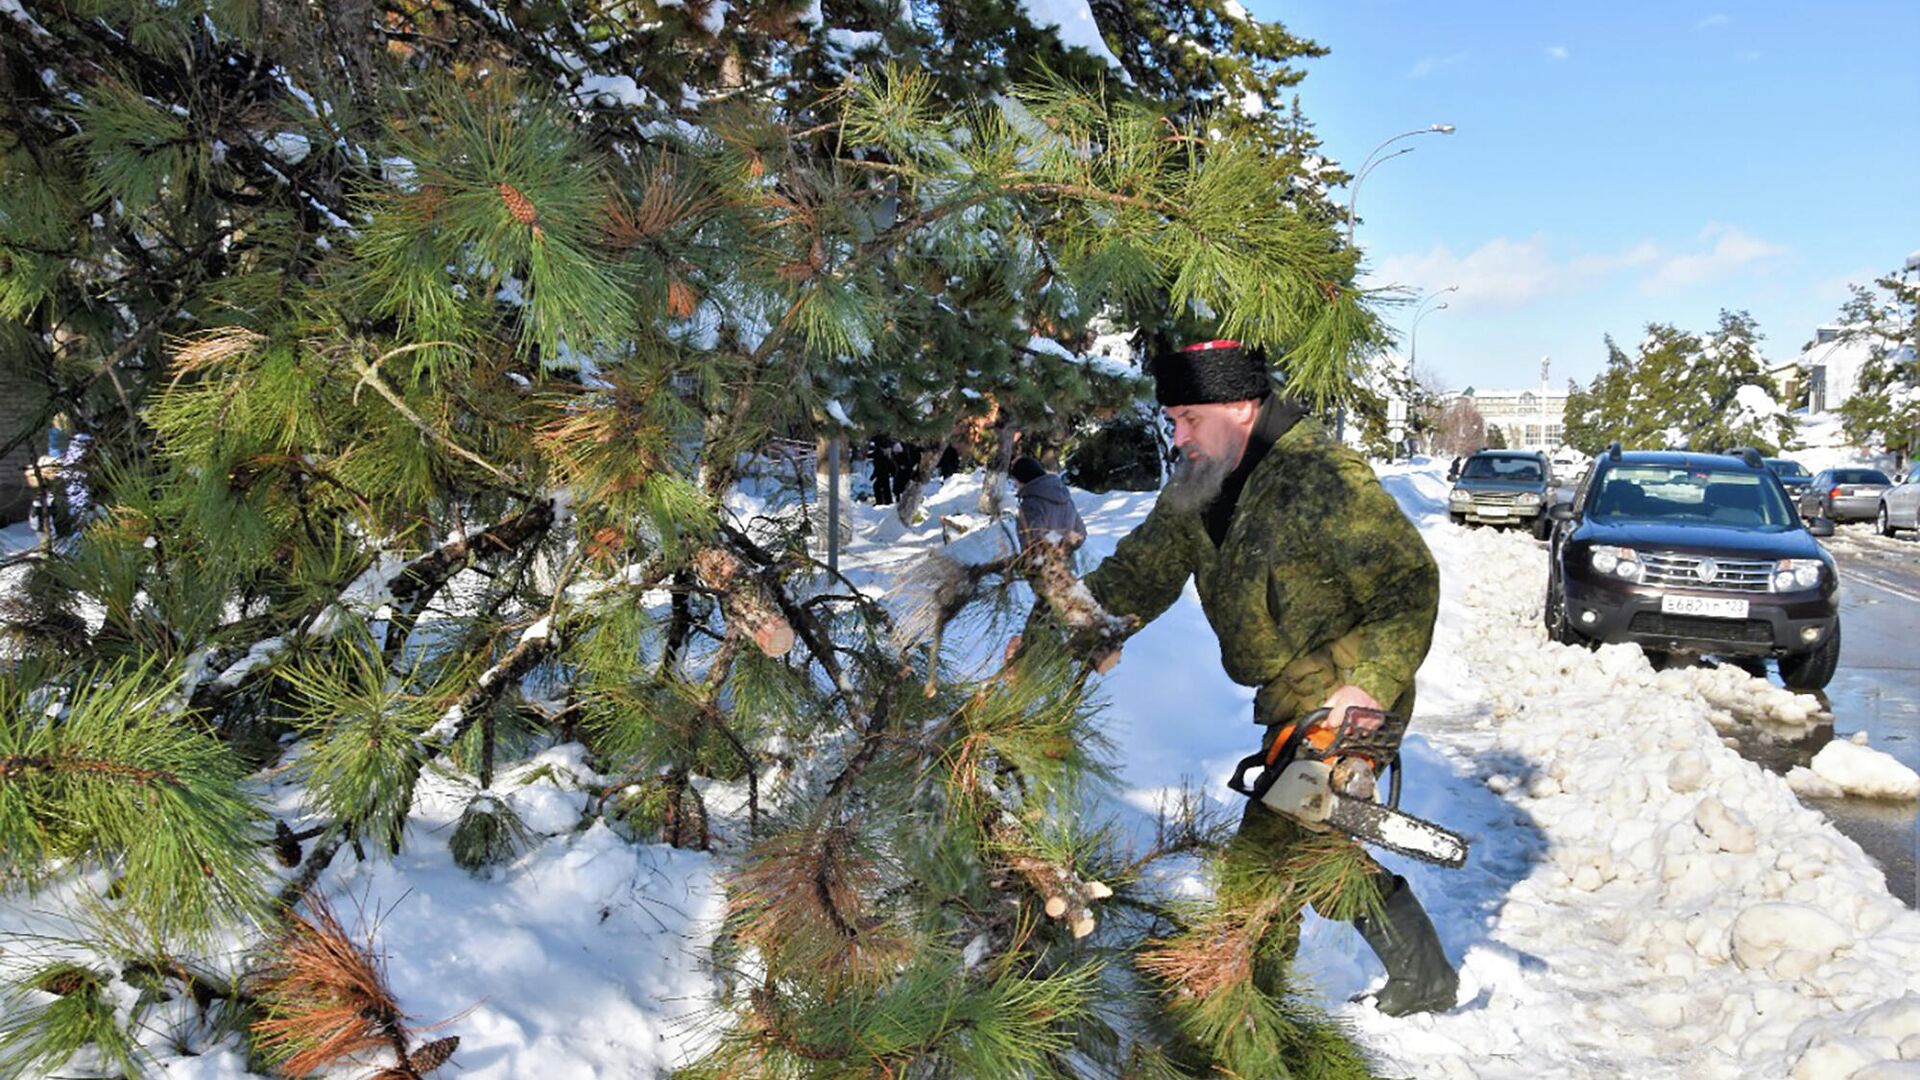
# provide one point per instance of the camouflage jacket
(1321, 580)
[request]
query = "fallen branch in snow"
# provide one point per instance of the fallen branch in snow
(534, 644)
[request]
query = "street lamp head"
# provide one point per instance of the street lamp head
(1444, 129)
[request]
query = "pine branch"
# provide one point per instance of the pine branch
(371, 377)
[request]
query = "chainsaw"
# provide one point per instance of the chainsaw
(1309, 772)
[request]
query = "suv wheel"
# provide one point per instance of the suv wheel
(1458, 517)
(1812, 670)
(1542, 526)
(1559, 628)
(1882, 523)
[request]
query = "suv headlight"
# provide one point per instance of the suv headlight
(1792, 574)
(1527, 498)
(1623, 563)
(1459, 495)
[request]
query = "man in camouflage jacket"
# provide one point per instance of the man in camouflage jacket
(1320, 590)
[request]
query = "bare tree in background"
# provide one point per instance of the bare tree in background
(1460, 429)
(1427, 401)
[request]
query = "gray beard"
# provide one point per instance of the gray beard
(1195, 483)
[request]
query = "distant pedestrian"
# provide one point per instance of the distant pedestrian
(883, 455)
(1046, 506)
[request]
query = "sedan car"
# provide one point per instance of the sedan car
(1845, 494)
(1694, 553)
(1793, 476)
(1900, 505)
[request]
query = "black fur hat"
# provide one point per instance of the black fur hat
(1026, 470)
(1211, 372)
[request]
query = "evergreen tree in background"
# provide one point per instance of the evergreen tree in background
(1885, 408)
(1582, 431)
(417, 345)
(1683, 391)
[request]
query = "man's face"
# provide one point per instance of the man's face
(1218, 432)
(1211, 439)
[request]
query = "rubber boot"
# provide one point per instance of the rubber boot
(1419, 978)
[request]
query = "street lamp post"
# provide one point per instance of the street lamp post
(1373, 160)
(1398, 410)
(1413, 334)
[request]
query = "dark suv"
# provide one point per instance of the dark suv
(1502, 487)
(1694, 553)
(1793, 476)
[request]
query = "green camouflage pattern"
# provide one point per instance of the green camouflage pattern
(1321, 581)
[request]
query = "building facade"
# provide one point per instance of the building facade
(1527, 419)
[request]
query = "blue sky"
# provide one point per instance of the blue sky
(1618, 165)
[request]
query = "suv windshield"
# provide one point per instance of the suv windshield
(1783, 467)
(1501, 468)
(1674, 493)
(1860, 476)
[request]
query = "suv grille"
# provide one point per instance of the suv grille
(1745, 631)
(1495, 498)
(1729, 575)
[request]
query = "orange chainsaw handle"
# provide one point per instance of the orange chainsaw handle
(1320, 736)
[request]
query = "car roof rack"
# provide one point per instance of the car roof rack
(1613, 449)
(1749, 455)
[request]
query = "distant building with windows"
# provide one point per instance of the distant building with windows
(1527, 419)
(1830, 367)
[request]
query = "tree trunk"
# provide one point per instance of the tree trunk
(822, 487)
(909, 500)
(994, 491)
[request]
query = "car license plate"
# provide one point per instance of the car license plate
(1713, 607)
(1492, 511)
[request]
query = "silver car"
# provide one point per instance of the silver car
(1900, 505)
(1848, 494)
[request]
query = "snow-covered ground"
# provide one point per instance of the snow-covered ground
(1641, 900)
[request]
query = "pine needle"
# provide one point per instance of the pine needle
(325, 999)
(488, 834)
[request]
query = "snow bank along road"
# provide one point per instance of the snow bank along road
(1641, 900)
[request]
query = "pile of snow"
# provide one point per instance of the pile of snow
(1644, 901)
(1844, 768)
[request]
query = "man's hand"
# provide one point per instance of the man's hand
(1352, 776)
(1347, 697)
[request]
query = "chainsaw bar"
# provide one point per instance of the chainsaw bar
(1413, 837)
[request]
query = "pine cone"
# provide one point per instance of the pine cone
(433, 1055)
(518, 204)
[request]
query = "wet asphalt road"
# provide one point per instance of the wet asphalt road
(1876, 690)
